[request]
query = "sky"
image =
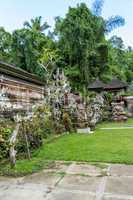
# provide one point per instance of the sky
(13, 13)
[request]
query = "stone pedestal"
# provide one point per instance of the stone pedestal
(84, 130)
(118, 113)
(82, 121)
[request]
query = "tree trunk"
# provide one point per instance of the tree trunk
(12, 143)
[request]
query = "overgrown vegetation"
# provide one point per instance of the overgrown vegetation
(5, 132)
(32, 132)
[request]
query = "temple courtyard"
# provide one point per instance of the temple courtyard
(73, 181)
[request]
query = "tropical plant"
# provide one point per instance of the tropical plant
(36, 25)
(5, 45)
(82, 45)
(27, 49)
(111, 23)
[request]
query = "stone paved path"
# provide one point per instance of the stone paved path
(75, 181)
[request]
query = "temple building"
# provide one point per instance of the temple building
(19, 90)
(96, 86)
(115, 85)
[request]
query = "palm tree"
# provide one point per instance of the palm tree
(111, 23)
(35, 25)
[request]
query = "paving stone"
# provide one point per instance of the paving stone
(5, 182)
(71, 195)
(84, 169)
(58, 167)
(83, 183)
(117, 197)
(120, 185)
(9, 179)
(121, 170)
(23, 193)
(48, 179)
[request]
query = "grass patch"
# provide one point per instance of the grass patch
(24, 167)
(115, 146)
(129, 122)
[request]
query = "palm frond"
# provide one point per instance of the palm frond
(27, 24)
(97, 7)
(114, 22)
(44, 26)
(32, 21)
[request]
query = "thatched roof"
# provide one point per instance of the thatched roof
(96, 85)
(115, 84)
(15, 72)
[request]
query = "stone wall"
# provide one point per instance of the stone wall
(18, 95)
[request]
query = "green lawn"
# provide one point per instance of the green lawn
(129, 122)
(112, 146)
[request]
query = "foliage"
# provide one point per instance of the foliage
(48, 60)
(120, 60)
(26, 49)
(97, 7)
(113, 22)
(40, 127)
(25, 167)
(35, 25)
(5, 133)
(77, 44)
(5, 45)
(32, 131)
(82, 43)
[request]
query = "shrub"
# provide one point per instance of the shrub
(5, 133)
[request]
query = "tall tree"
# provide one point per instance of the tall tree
(27, 46)
(82, 44)
(120, 59)
(5, 45)
(117, 42)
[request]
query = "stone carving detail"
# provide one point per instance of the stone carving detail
(62, 100)
(18, 96)
(95, 110)
(118, 113)
(5, 105)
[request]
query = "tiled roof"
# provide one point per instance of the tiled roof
(96, 85)
(115, 84)
(13, 71)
